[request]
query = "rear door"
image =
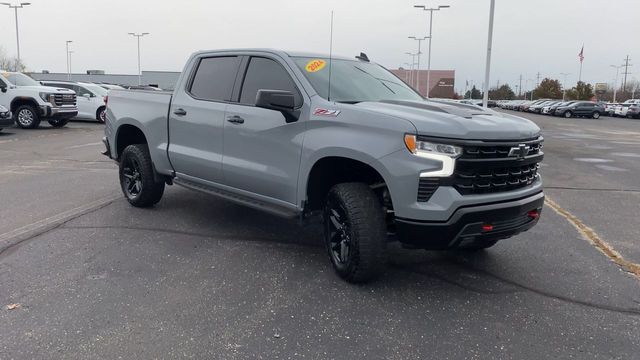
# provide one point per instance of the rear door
(86, 108)
(262, 153)
(196, 119)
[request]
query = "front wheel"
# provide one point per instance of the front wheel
(27, 117)
(355, 232)
(137, 177)
(58, 123)
(568, 114)
(596, 115)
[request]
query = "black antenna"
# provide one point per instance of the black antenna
(330, 56)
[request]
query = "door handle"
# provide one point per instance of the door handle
(235, 119)
(180, 112)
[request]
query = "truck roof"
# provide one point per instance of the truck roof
(282, 53)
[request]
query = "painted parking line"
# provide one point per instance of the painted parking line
(590, 235)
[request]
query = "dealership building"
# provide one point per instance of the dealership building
(441, 82)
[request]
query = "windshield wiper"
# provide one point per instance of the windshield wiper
(382, 81)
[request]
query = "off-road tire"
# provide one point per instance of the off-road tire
(365, 227)
(150, 191)
(35, 119)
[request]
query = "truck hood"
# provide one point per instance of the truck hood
(459, 121)
(47, 89)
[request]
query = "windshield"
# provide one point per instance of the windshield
(98, 90)
(19, 79)
(354, 81)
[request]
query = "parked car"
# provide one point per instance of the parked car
(111, 86)
(621, 109)
(91, 98)
(370, 156)
(581, 109)
(30, 102)
(610, 108)
(546, 109)
(5, 118)
(537, 108)
(633, 111)
(632, 101)
(553, 108)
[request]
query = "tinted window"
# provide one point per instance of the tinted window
(266, 74)
(214, 78)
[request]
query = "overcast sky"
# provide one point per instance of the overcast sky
(529, 36)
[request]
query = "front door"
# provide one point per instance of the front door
(261, 150)
(196, 118)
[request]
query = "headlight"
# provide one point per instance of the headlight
(47, 97)
(444, 153)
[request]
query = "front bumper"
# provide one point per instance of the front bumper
(5, 119)
(470, 223)
(59, 112)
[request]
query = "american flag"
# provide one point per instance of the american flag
(581, 54)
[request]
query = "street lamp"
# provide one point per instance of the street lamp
(419, 40)
(615, 85)
(413, 62)
(430, 36)
(70, 52)
(15, 8)
(406, 74)
(138, 36)
(68, 60)
(564, 81)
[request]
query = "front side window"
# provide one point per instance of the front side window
(19, 79)
(81, 91)
(214, 78)
(354, 81)
(266, 74)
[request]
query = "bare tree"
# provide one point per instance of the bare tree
(10, 64)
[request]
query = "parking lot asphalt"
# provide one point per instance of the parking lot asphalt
(199, 277)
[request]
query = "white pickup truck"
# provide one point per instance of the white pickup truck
(31, 102)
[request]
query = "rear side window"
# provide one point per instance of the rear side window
(214, 78)
(266, 74)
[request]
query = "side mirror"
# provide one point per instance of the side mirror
(3, 88)
(86, 95)
(278, 100)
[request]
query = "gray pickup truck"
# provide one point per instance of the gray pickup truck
(342, 140)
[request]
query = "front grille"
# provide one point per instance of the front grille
(65, 99)
(489, 167)
(426, 188)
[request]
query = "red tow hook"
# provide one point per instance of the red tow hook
(534, 214)
(487, 227)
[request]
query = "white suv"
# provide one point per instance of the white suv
(31, 102)
(91, 98)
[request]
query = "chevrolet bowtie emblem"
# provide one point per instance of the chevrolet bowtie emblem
(521, 151)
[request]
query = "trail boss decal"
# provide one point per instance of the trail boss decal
(315, 65)
(326, 112)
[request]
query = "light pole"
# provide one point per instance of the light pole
(419, 40)
(68, 61)
(15, 8)
(413, 62)
(406, 73)
(138, 36)
(70, 52)
(615, 85)
(485, 97)
(564, 81)
(430, 36)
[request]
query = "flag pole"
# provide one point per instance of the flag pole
(580, 74)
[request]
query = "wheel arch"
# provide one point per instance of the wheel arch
(128, 134)
(23, 100)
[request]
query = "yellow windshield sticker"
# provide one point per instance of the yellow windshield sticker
(315, 65)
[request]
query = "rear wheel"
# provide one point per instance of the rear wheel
(568, 114)
(101, 114)
(596, 115)
(355, 232)
(58, 123)
(27, 117)
(137, 178)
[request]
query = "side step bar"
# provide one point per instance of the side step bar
(240, 199)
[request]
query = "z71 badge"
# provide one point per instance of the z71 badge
(326, 112)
